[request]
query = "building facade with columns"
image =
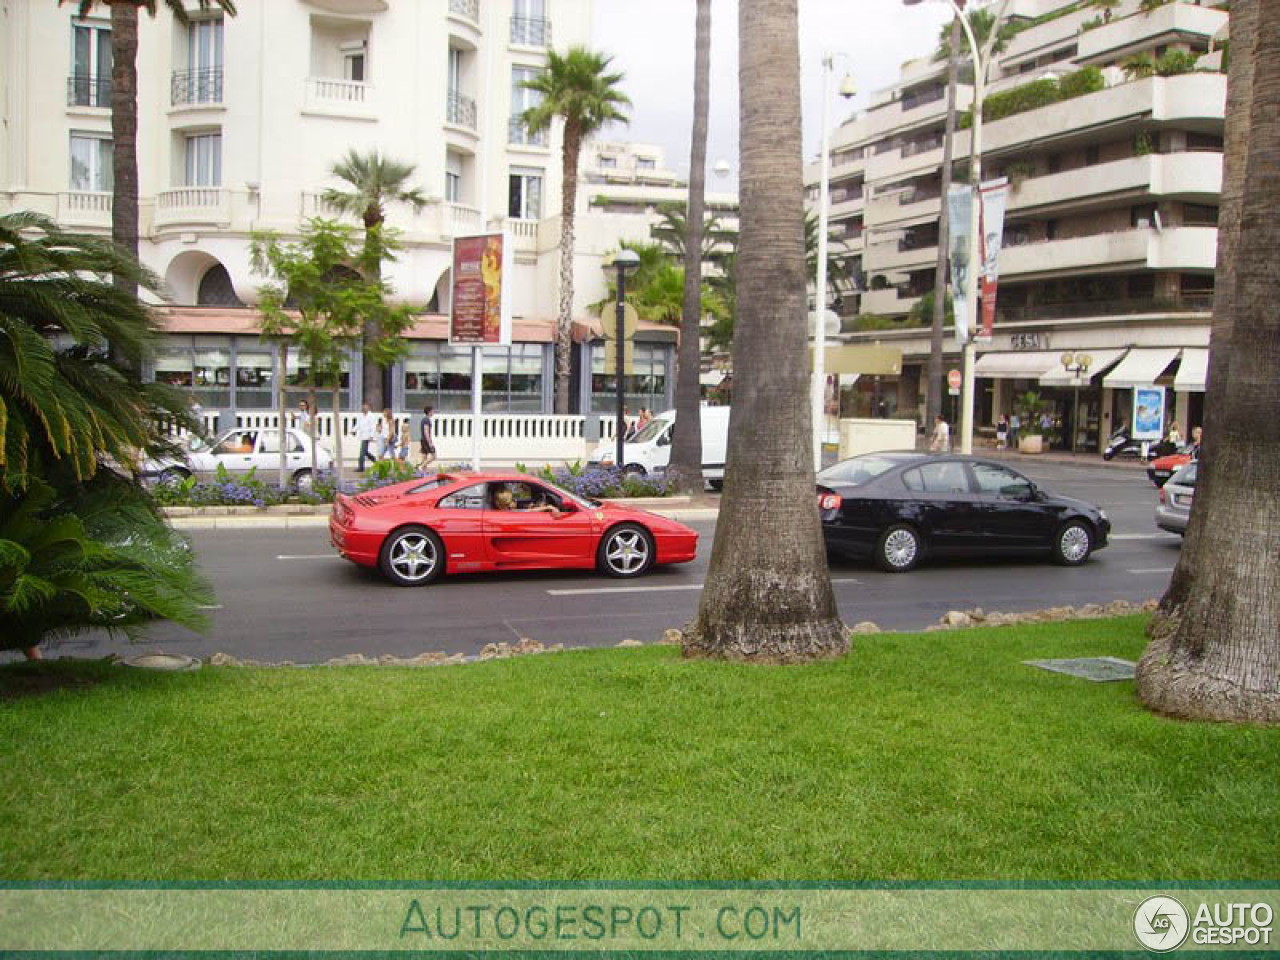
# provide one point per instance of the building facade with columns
(1110, 234)
(240, 121)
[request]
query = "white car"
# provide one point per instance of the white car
(240, 451)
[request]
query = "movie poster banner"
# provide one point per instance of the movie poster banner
(1148, 413)
(994, 195)
(960, 211)
(480, 307)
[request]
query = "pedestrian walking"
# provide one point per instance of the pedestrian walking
(426, 440)
(1015, 427)
(366, 433)
(387, 435)
(402, 449)
(1002, 432)
(941, 442)
(303, 418)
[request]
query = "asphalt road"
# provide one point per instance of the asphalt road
(285, 595)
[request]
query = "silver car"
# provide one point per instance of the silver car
(1174, 507)
(242, 450)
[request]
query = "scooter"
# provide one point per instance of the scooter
(1123, 445)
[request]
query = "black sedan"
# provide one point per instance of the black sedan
(901, 507)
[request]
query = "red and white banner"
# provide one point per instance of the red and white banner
(480, 305)
(994, 195)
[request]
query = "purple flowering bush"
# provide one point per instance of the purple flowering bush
(597, 483)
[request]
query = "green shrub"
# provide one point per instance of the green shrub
(386, 472)
(1083, 81)
(1036, 94)
(1176, 62)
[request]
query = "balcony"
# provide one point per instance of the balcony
(87, 90)
(901, 256)
(524, 233)
(1109, 250)
(196, 87)
(329, 96)
(1132, 306)
(530, 32)
(1173, 174)
(520, 135)
(470, 9)
(1127, 34)
(458, 219)
(192, 205)
(461, 110)
(83, 208)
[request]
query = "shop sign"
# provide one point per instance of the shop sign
(1028, 341)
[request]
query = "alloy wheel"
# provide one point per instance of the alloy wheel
(1074, 543)
(900, 548)
(413, 557)
(627, 552)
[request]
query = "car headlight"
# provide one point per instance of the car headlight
(1103, 515)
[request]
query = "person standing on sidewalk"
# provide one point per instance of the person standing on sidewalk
(366, 430)
(1015, 426)
(941, 442)
(426, 440)
(1002, 432)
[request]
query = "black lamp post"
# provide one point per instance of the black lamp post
(624, 261)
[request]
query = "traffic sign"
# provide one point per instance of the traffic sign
(954, 379)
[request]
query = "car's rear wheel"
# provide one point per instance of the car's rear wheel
(302, 481)
(625, 551)
(898, 549)
(411, 557)
(633, 470)
(1073, 544)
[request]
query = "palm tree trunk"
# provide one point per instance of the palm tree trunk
(768, 595)
(124, 132)
(1215, 641)
(568, 210)
(371, 376)
(933, 397)
(685, 470)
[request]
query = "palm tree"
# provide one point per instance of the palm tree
(376, 181)
(768, 595)
(981, 21)
(686, 450)
(124, 111)
(578, 88)
(1215, 639)
(672, 229)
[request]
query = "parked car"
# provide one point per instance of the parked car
(240, 451)
(1173, 507)
(649, 451)
(418, 531)
(1162, 468)
(899, 508)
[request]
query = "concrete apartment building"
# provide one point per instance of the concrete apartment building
(240, 120)
(1110, 234)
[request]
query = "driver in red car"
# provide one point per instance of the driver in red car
(504, 500)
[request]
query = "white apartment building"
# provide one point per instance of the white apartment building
(1110, 234)
(240, 121)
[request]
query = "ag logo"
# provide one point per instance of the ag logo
(1161, 924)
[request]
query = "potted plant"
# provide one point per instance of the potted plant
(1031, 406)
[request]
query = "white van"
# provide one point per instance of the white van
(649, 451)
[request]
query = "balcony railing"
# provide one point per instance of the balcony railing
(466, 8)
(86, 90)
(520, 134)
(337, 91)
(1187, 303)
(462, 110)
(196, 86)
(911, 101)
(531, 31)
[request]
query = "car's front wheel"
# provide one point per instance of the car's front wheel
(411, 557)
(898, 549)
(1073, 544)
(302, 481)
(625, 551)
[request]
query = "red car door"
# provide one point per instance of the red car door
(524, 537)
(459, 520)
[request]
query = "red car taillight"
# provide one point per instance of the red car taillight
(830, 501)
(1160, 494)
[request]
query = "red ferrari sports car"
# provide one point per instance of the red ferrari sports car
(417, 531)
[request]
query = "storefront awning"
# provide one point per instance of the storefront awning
(1140, 368)
(1192, 372)
(712, 378)
(1103, 360)
(848, 359)
(1016, 365)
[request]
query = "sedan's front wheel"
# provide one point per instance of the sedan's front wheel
(625, 551)
(898, 549)
(411, 557)
(1073, 544)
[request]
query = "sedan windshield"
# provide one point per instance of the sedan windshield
(857, 470)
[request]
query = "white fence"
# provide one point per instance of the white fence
(504, 437)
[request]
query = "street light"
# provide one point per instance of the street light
(624, 261)
(1076, 364)
(847, 90)
(981, 54)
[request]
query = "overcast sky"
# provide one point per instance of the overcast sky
(652, 42)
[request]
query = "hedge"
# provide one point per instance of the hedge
(1037, 94)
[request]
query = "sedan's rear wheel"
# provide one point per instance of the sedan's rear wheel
(1073, 544)
(625, 551)
(411, 557)
(898, 549)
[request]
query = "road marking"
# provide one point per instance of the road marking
(1143, 536)
(1153, 570)
(594, 591)
(308, 556)
(210, 606)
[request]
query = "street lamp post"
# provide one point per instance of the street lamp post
(981, 54)
(624, 261)
(847, 90)
(1076, 364)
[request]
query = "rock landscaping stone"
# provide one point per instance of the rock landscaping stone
(630, 643)
(866, 626)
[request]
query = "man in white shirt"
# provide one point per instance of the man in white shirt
(941, 436)
(366, 430)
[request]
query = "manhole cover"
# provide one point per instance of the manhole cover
(169, 662)
(1097, 669)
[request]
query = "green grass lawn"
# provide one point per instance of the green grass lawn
(918, 757)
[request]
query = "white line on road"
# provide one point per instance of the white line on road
(1153, 570)
(210, 606)
(308, 556)
(1143, 536)
(594, 591)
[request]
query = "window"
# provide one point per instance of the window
(1142, 215)
(453, 178)
(525, 194)
(216, 290)
(645, 163)
(91, 162)
(237, 442)
(1091, 155)
(945, 477)
(455, 70)
(437, 375)
(522, 99)
(203, 82)
(90, 65)
(353, 64)
(204, 160)
(1197, 215)
(468, 498)
(1050, 229)
(997, 481)
(857, 471)
(608, 163)
(645, 386)
(271, 442)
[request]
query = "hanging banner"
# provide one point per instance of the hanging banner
(480, 305)
(1148, 413)
(994, 195)
(960, 212)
